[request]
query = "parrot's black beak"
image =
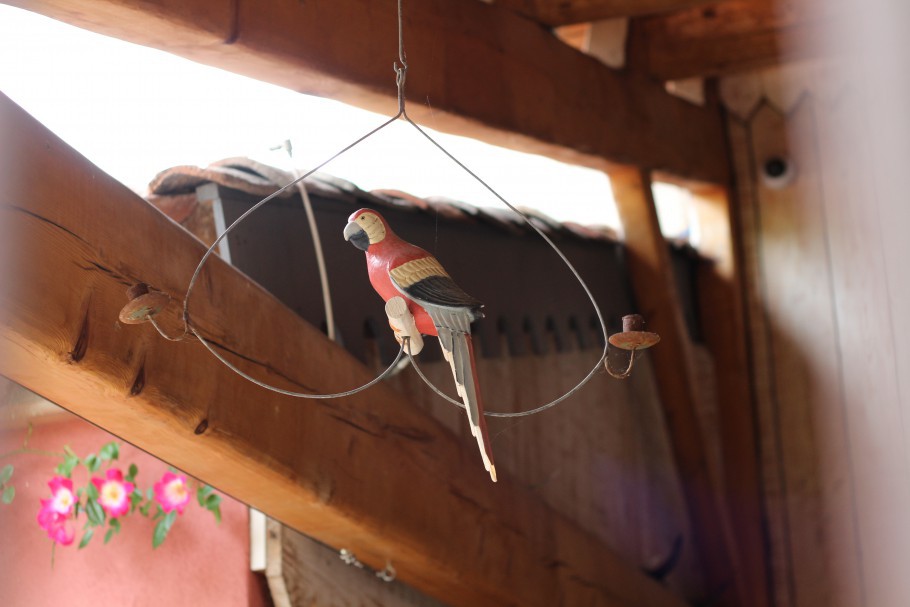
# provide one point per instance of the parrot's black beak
(357, 236)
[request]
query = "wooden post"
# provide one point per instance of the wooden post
(723, 324)
(656, 293)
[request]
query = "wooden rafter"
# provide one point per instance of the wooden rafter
(368, 473)
(564, 12)
(475, 69)
(735, 35)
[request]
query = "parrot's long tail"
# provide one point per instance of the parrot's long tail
(459, 351)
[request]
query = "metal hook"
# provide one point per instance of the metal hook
(388, 574)
(349, 559)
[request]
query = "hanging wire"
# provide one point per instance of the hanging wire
(628, 371)
(228, 364)
(162, 333)
(401, 69)
(317, 244)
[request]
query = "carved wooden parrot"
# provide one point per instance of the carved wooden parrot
(398, 269)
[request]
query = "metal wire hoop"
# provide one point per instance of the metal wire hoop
(400, 68)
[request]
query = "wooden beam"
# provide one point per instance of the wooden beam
(564, 12)
(475, 69)
(721, 300)
(659, 302)
(736, 35)
(369, 473)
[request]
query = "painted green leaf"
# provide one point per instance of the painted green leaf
(86, 538)
(110, 451)
(9, 493)
(163, 528)
(6, 473)
(135, 499)
(202, 493)
(95, 512)
(70, 461)
(92, 462)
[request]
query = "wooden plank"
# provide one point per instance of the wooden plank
(369, 473)
(809, 426)
(831, 251)
(316, 576)
(761, 365)
(723, 325)
(862, 282)
(736, 35)
(564, 12)
(652, 281)
(475, 69)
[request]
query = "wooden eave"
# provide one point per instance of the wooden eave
(476, 69)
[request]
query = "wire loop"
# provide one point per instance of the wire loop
(400, 68)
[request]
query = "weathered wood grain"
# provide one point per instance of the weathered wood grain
(562, 12)
(736, 36)
(316, 576)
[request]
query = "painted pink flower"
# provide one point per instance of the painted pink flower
(172, 493)
(57, 526)
(113, 492)
(63, 499)
(54, 513)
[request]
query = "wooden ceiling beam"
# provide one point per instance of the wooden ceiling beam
(476, 69)
(733, 36)
(564, 12)
(370, 473)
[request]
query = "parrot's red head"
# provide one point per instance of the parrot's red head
(365, 227)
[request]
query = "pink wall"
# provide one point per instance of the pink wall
(200, 562)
